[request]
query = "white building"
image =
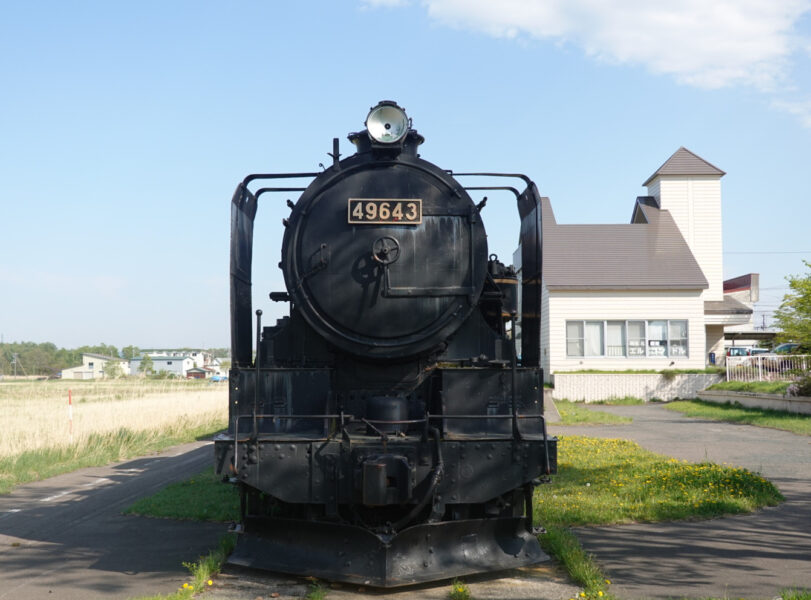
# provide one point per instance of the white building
(174, 365)
(93, 366)
(645, 295)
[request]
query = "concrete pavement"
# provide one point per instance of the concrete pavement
(749, 556)
(65, 537)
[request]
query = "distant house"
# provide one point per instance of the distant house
(93, 366)
(175, 365)
(643, 295)
(202, 359)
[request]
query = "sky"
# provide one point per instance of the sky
(125, 127)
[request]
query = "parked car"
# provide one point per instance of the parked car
(786, 348)
(739, 351)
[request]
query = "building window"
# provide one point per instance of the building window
(657, 338)
(615, 338)
(574, 338)
(634, 339)
(678, 338)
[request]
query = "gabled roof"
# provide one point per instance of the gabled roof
(684, 162)
(648, 254)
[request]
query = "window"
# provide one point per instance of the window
(636, 338)
(574, 338)
(678, 338)
(594, 338)
(658, 338)
(615, 338)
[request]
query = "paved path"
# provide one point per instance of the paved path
(65, 537)
(750, 556)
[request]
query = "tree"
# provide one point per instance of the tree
(794, 315)
(130, 352)
(112, 369)
(146, 367)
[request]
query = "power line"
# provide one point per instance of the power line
(767, 252)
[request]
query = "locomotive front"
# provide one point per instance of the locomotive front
(385, 432)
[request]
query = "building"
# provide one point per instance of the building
(178, 366)
(644, 295)
(93, 366)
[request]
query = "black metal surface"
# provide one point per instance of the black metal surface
(418, 554)
(386, 432)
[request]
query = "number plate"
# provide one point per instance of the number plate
(385, 211)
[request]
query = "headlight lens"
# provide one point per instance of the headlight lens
(387, 123)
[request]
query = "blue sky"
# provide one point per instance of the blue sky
(125, 126)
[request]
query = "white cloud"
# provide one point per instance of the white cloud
(708, 44)
(800, 109)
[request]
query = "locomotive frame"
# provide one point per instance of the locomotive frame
(386, 432)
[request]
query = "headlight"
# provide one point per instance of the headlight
(387, 123)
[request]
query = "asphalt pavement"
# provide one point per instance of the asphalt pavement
(65, 537)
(746, 556)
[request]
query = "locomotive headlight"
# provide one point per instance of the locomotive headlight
(387, 123)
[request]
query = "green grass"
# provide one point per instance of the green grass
(204, 497)
(763, 387)
(735, 413)
(602, 482)
(201, 572)
(459, 590)
(576, 413)
(795, 594)
(624, 401)
(101, 449)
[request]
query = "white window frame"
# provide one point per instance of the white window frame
(627, 355)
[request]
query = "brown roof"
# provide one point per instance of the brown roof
(684, 162)
(650, 253)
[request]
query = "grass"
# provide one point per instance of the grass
(459, 590)
(98, 450)
(204, 497)
(201, 572)
(795, 594)
(763, 387)
(602, 482)
(111, 421)
(37, 415)
(576, 413)
(735, 413)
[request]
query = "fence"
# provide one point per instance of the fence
(767, 367)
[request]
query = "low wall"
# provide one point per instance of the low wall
(593, 387)
(793, 404)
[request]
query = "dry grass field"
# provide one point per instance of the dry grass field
(34, 415)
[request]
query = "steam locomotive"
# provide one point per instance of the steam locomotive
(386, 432)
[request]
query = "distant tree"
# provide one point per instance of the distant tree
(113, 370)
(130, 352)
(147, 367)
(794, 315)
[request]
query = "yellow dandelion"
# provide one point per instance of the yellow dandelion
(185, 586)
(600, 593)
(608, 582)
(209, 582)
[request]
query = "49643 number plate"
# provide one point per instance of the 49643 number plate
(385, 211)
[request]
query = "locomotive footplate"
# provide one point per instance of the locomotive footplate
(418, 554)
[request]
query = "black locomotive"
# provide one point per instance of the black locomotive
(386, 432)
